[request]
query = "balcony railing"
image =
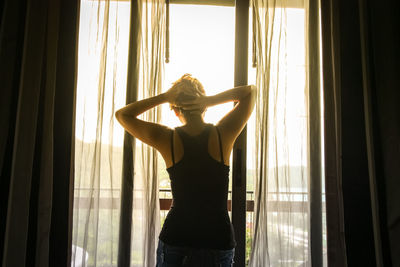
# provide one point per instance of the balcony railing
(278, 202)
(274, 205)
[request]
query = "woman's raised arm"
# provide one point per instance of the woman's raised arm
(153, 134)
(234, 121)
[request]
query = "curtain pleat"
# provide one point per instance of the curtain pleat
(29, 51)
(379, 32)
(360, 55)
(315, 166)
(146, 210)
(116, 181)
(281, 212)
(336, 246)
(101, 84)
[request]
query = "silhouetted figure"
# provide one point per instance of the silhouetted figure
(197, 230)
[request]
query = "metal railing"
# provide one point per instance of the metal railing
(279, 201)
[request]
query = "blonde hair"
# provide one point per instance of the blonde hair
(189, 86)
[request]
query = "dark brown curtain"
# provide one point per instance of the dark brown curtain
(380, 42)
(360, 48)
(37, 76)
(331, 93)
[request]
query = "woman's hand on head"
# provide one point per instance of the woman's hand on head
(191, 102)
(173, 95)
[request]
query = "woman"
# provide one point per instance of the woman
(197, 229)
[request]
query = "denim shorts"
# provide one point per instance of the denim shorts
(173, 256)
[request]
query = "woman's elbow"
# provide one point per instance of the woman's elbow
(252, 89)
(119, 115)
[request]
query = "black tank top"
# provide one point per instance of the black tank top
(199, 216)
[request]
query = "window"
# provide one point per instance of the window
(202, 41)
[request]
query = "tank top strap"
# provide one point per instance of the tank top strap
(220, 145)
(172, 147)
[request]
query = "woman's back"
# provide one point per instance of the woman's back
(199, 216)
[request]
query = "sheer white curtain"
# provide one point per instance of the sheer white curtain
(281, 218)
(146, 210)
(101, 89)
